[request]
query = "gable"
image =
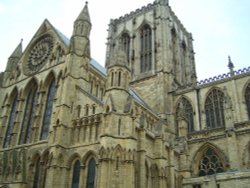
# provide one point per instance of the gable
(47, 45)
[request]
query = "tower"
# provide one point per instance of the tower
(159, 52)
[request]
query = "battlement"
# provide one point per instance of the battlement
(223, 77)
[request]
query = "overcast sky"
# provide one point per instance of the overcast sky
(219, 27)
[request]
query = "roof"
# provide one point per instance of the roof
(138, 98)
(98, 67)
(93, 62)
(63, 37)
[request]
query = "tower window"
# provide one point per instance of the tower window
(214, 109)
(126, 44)
(146, 49)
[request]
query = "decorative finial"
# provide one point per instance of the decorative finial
(86, 2)
(230, 66)
(21, 40)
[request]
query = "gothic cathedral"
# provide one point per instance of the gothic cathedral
(143, 121)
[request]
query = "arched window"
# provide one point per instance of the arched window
(146, 48)
(112, 79)
(119, 78)
(247, 98)
(185, 110)
(126, 44)
(210, 163)
(48, 110)
(8, 135)
(91, 174)
(29, 114)
(214, 109)
(37, 173)
(76, 174)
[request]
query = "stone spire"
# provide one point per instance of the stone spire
(80, 43)
(82, 24)
(15, 56)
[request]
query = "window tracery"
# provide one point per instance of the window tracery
(146, 48)
(214, 109)
(210, 163)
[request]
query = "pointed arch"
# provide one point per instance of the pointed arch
(145, 48)
(88, 155)
(208, 160)
(214, 109)
(29, 111)
(76, 174)
(247, 98)
(51, 91)
(90, 160)
(184, 110)
(12, 116)
(91, 175)
(72, 158)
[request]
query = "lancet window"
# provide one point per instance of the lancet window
(214, 109)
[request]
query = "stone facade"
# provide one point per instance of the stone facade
(143, 121)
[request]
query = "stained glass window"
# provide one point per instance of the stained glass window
(29, 115)
(146, 49)
(210, 163)
(76, 175)
(10, 126)
(214, 109)
(185, 110)
(247, 98)
(91, 174)
(48, 110)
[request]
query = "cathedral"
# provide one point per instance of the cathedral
(143, 121)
